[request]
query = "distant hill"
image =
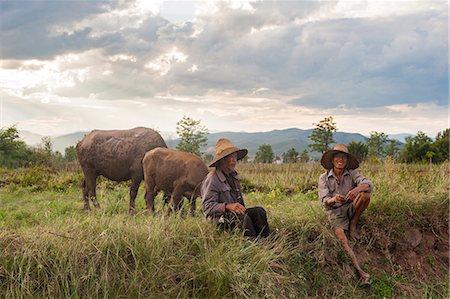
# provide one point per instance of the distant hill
(30, 138)
(60, 143)
(280, 140)
(400, 137)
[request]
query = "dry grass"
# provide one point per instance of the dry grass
(50, 248)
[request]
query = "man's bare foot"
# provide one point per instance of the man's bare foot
(364, 279)
(354, 234)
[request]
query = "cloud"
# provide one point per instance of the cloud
(247, 63)
(26, 26)
(375, 63)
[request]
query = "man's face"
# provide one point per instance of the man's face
(229, 162)
(340, 161)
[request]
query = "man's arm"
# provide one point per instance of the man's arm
(325, 197)
(362, 183)
(210, 198)
(361, 180)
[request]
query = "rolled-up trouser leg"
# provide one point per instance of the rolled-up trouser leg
(248, 226)
(255, 222)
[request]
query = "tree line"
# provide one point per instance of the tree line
(418, 148)
(14, 152)
(377, 146)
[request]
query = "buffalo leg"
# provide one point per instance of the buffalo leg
(91, 182)
(175, 200)
(85, 197)
(192, 200)
(150, 193)
(166, 198)
(134, 187)
(180, 203)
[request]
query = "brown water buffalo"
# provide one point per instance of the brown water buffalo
(174, 172)
(117, 155)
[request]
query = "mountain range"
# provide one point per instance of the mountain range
(280, 140)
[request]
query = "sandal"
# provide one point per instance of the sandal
(365, 282)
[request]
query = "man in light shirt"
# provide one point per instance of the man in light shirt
(345, 194)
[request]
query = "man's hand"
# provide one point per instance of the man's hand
(335, 199)
(235, 208)
(352, 194)
(339, 198)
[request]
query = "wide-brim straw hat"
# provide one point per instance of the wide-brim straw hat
(224, 147)
(327, 157)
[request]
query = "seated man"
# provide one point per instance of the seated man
(222, 201)
(345, 194)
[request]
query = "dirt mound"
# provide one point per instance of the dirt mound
(414, 253)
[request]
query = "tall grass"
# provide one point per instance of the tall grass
(100, 256)
(298, 177)
(50, 248)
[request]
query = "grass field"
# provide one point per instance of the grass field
(49, 247)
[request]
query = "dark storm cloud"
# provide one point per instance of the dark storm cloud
(355, 62)
(25, 27)
(367, 63)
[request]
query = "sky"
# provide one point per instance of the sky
(243, 66)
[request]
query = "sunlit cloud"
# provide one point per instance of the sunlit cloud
(164, 63)
(193, 68)
(236, 65)
(124, 57)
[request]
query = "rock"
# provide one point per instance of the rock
(413, 237)
(383, 240)
(429, 240)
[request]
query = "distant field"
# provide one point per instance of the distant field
(49, 247)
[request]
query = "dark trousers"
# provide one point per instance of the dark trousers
(253, 222)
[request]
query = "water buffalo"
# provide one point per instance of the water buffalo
(174, 172)
(117, 155)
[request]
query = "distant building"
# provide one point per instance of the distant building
(277, 160)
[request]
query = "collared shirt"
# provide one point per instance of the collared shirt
(329, 185)
(216, 191)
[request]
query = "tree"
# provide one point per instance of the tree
(44, 153)
(192, 135)
(264, 154)
(441, 146)
(9, 141)
(392, 149)
(13, 151)
(304, 157)
(291, 156)
(416, 148)
(47, 145)
(322, 135)
(429, 155)
(358, 149)
(70, 153)
(375, 144)
(208, 157)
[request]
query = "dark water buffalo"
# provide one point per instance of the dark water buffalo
(117, 155)
(174, 172)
